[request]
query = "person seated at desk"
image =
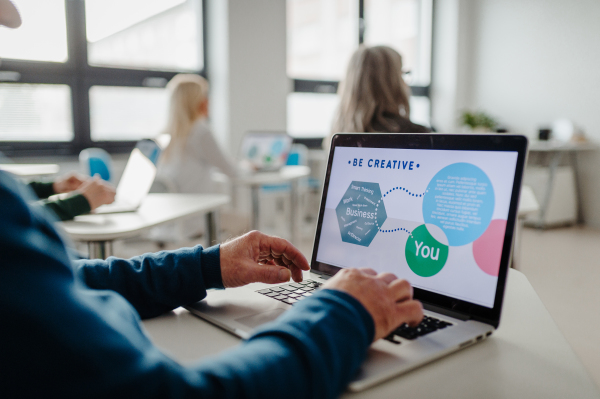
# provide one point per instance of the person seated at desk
(71, 329)
(186, 163)
(85, 195)
(373, 96)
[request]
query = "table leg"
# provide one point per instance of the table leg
(100, 249)
(546, 202)
(212, 228)
(254, 192)
(294, 211)
(577, 186)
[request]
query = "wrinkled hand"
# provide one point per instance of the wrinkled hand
(68, 183)
(97, 192)
(386, 297)
(257, 257)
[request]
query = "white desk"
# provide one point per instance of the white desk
(287, 174)
(557, 149)
(101, 230)
(526, 358)
(30, 170)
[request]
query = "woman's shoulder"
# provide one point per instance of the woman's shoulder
(399, 124)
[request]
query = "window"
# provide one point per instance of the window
(319, 50)
(145, 34)
(35, 112)
(43, 35)
(78, 74)
(127, 113)
(321, 37)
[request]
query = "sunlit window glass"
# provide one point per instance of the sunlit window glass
(321, 35)
(127, 113)
(43, 35)
(35, 112)
(404, 25)
(420, 110)
(145, 34)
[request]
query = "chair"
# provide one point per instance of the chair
(96, 161)
(275, 197)
(150, 148)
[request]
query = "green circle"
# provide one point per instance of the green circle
(424, 254)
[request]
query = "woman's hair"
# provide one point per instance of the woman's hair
(187, 92)
(373, 87)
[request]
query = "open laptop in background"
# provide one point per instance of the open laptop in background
(134, 185)
(265, 151)
(437, 210)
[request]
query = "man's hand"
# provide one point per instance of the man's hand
(256, 257)
(68, 183)
(387, 298)
(97, 192)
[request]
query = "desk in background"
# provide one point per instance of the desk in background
(30, 170)
(556, 151)
(99, 231)
(527, 357)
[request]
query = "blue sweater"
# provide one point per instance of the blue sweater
(72, 329)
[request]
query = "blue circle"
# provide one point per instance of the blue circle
(462, 203)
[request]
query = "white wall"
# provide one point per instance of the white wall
(527, 63)
(247, 67)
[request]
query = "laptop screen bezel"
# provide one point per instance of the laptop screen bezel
(424, 141)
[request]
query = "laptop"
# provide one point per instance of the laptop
(265, 151)
(437, 210)
(134, 185)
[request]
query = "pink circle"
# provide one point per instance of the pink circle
(487, 249)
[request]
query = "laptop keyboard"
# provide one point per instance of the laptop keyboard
(428, 325)
(293, 292)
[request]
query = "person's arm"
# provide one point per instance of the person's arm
(77, 342)
(42, 189)
(205, 146)
(68, 208)
(155, 283)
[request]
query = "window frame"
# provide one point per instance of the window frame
(331, 86)
(80, 77)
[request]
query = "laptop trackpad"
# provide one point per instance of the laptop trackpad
(259, 319)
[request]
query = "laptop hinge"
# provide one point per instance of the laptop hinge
(321, 274)
(446, 312)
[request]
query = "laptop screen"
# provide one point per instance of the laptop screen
(266, 150)
(436, 218)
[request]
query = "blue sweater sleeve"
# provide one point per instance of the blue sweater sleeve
(156, 283)
(61, 338)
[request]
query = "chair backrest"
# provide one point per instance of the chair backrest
(150, 149)
(96, 161)
(298, 155)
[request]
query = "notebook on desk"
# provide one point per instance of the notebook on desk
(437, 210)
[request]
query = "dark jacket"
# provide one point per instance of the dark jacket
(72, 329)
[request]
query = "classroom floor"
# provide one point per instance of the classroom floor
(564, 268)
(561, 264)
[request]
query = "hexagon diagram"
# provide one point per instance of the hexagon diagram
(360, 213)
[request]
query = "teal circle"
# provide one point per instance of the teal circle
(460, 200)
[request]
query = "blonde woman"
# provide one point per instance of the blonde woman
(373, 95)
(186, 163)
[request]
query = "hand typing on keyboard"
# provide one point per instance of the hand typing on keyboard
(387, 298)
(257, 257)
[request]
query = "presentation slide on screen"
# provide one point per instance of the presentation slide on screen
(434, 217)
